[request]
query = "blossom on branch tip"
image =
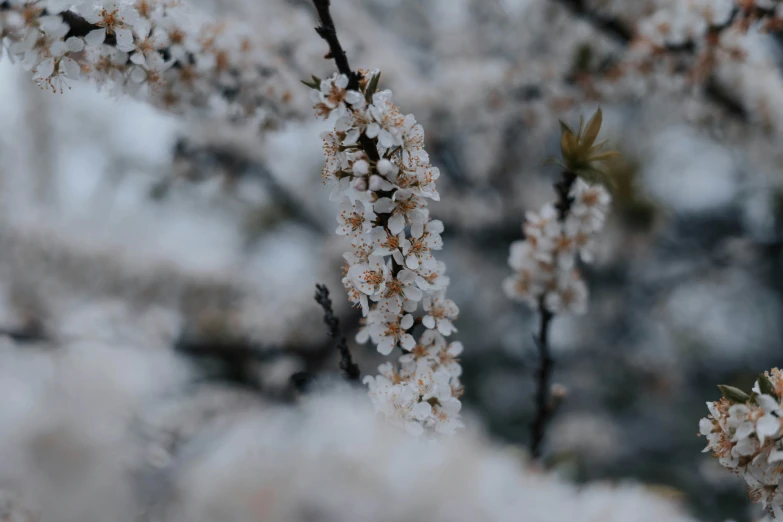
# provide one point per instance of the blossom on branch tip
(545, 262)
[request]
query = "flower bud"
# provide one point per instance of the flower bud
(376, 183)
(385, 166)
(361, 167)
(360, 184)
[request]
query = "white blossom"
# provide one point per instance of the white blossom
(150, 49)
(544, 263)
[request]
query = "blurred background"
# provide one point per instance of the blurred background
(204, 238)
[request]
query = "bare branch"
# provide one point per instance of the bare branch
(349, 368)
(328, 32)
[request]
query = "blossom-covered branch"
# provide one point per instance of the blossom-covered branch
(153, 49)
(683, 40)
(381, 175)
(546, 276)
(744, 432)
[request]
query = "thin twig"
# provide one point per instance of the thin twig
(349, 368)
(328, 32)
(543, 400)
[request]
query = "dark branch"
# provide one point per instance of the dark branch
(349, 368)
(543, 401)
(543, 386)
(33, 333)
(328, 32)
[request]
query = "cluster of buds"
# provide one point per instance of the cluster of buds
(153, 49)
(381, 175)
(745, 433)
(545, 262)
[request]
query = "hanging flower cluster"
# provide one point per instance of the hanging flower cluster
(745, 433)
(544, 262)
(381, 175)
(154, 49)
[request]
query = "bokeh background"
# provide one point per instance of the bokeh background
(124, 225)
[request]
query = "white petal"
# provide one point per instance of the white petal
(410, 306)
(767, 426)
(407, 341)
(417, 229)
(396, 224)
(421, 411)
(775, 456)
(45, 68)
(138, 59)
(74, 44)
(456, 348)
(70, 68)
(743, 431)
(124, 39)
(138, 75)
(413, 293)
(362, 336)
(407, 321)
(96, 37)
(384, 206)
(372, 130)
(767, 403)
(445, 327)
(341, 81)
(385, 345)
(58, 49)
(354, 98)
(385, 139)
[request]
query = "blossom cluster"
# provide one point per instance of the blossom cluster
(745, 433)
(545, 261)
(382, 177)
(684, 22)
(153, 49)
(710, 31)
